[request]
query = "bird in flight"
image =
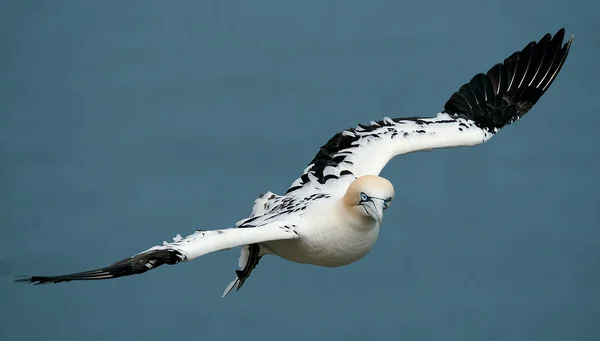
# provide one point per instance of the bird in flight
(331, 215)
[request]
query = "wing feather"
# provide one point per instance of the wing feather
(181, 249)
(471, 116)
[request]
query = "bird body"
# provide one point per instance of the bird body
(326, 239)
(331, 233)
(331, 215)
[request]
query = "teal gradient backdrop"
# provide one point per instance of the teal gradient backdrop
(123, 123)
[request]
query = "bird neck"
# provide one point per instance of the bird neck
(352, 216)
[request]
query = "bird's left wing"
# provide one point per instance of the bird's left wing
(471, 116)
(181, 249)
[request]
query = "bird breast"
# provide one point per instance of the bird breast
(327, 240)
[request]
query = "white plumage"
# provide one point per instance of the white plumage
(330, 216)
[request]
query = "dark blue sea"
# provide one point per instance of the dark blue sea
(123, 123)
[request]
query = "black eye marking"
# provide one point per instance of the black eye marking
(386, 203)
(367, 212)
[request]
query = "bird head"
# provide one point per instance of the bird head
(368, 196)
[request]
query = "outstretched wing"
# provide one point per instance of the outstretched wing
(181, 249)
(471, 116)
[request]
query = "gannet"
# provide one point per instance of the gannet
(331, 215)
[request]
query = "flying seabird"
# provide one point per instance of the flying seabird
(331, 215)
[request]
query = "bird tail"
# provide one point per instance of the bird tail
(249, 258)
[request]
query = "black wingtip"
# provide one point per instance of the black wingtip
(35, 280)
(23, 279)
(510, 89)
(137, 264)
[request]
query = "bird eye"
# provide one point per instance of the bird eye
(364, 197)
(386, 203)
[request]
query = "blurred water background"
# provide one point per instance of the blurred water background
(123, 123)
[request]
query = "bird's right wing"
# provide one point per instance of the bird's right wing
(181, 249)
(471, 116)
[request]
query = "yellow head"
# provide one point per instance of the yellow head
(368, 196)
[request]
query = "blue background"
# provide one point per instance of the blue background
(123, 123)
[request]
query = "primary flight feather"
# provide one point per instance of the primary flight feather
(330, 216)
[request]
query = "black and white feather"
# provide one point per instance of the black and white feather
(134, 265)
(181, 249)
(312, 223)
(471, 116)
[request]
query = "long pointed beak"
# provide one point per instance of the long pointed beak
(374, 208)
